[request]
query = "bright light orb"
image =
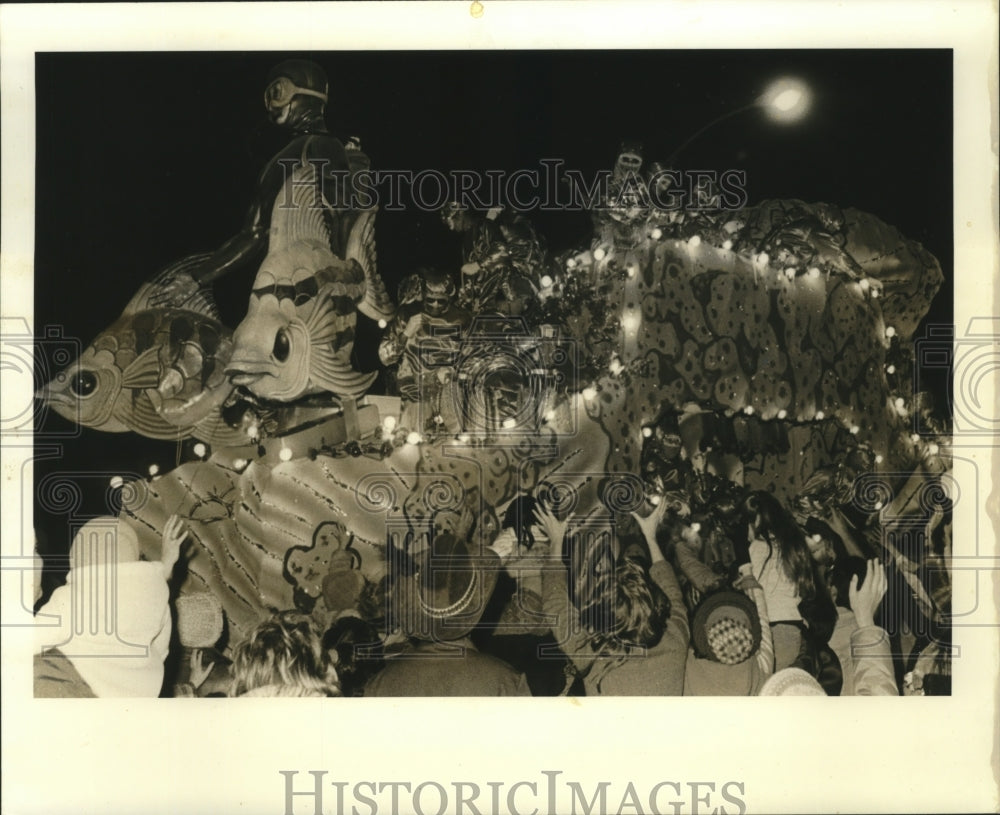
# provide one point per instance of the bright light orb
(200, 450)
(382, 323)
(117, 482)
(414, 438)
(589, 393)
(647, 432)
(599, 253)
(546, 281)
(154, 469)
(694, 240)
(389, 423)
(285, 454)
(656, 234)
(786, 100)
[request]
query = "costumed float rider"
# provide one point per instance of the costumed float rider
(296, 93)
(424, 339)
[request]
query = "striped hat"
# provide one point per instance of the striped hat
(725, 628)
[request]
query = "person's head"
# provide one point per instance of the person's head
(200, 620)
(295, 89)
(354, 647)
(284, 651)
(639, 613)
(103, 540)
(792, 682)
(769, 521)
(447, 596)
(725, 628)
(439, 291)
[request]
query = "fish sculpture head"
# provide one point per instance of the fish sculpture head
(299, 330)
(86, 392)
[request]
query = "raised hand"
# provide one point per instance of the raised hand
(199, 671)
(555, 530)
(649, 524)
(865, 601)
(174, 533)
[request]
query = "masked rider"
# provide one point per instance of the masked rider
(295, 96)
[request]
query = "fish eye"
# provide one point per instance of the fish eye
(282, 345)
(83, 384)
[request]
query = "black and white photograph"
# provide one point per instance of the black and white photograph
(560, 370)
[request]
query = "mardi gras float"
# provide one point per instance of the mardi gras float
(686, 353)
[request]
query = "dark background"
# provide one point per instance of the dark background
(143, 158)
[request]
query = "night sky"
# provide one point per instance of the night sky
(145, 158)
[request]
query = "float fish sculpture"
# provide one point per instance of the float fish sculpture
(157, 370)
(298, 334)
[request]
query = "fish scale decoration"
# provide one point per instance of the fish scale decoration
(730, 333)
(158, 370)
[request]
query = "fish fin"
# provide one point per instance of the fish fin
(327, 324)
(331, 336)
(138, 413)
(299, 211)
(144, 370)
(186, 294)
(361, 248)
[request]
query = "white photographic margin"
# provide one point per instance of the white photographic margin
(793, 755)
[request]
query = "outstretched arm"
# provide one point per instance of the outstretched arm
(174, 533)
(873, 671)
(648, 526)
(249, 243)
(555, 597)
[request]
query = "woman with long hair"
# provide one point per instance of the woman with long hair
(799, 604)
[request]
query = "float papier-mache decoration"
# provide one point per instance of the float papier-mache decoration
(684, 355)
